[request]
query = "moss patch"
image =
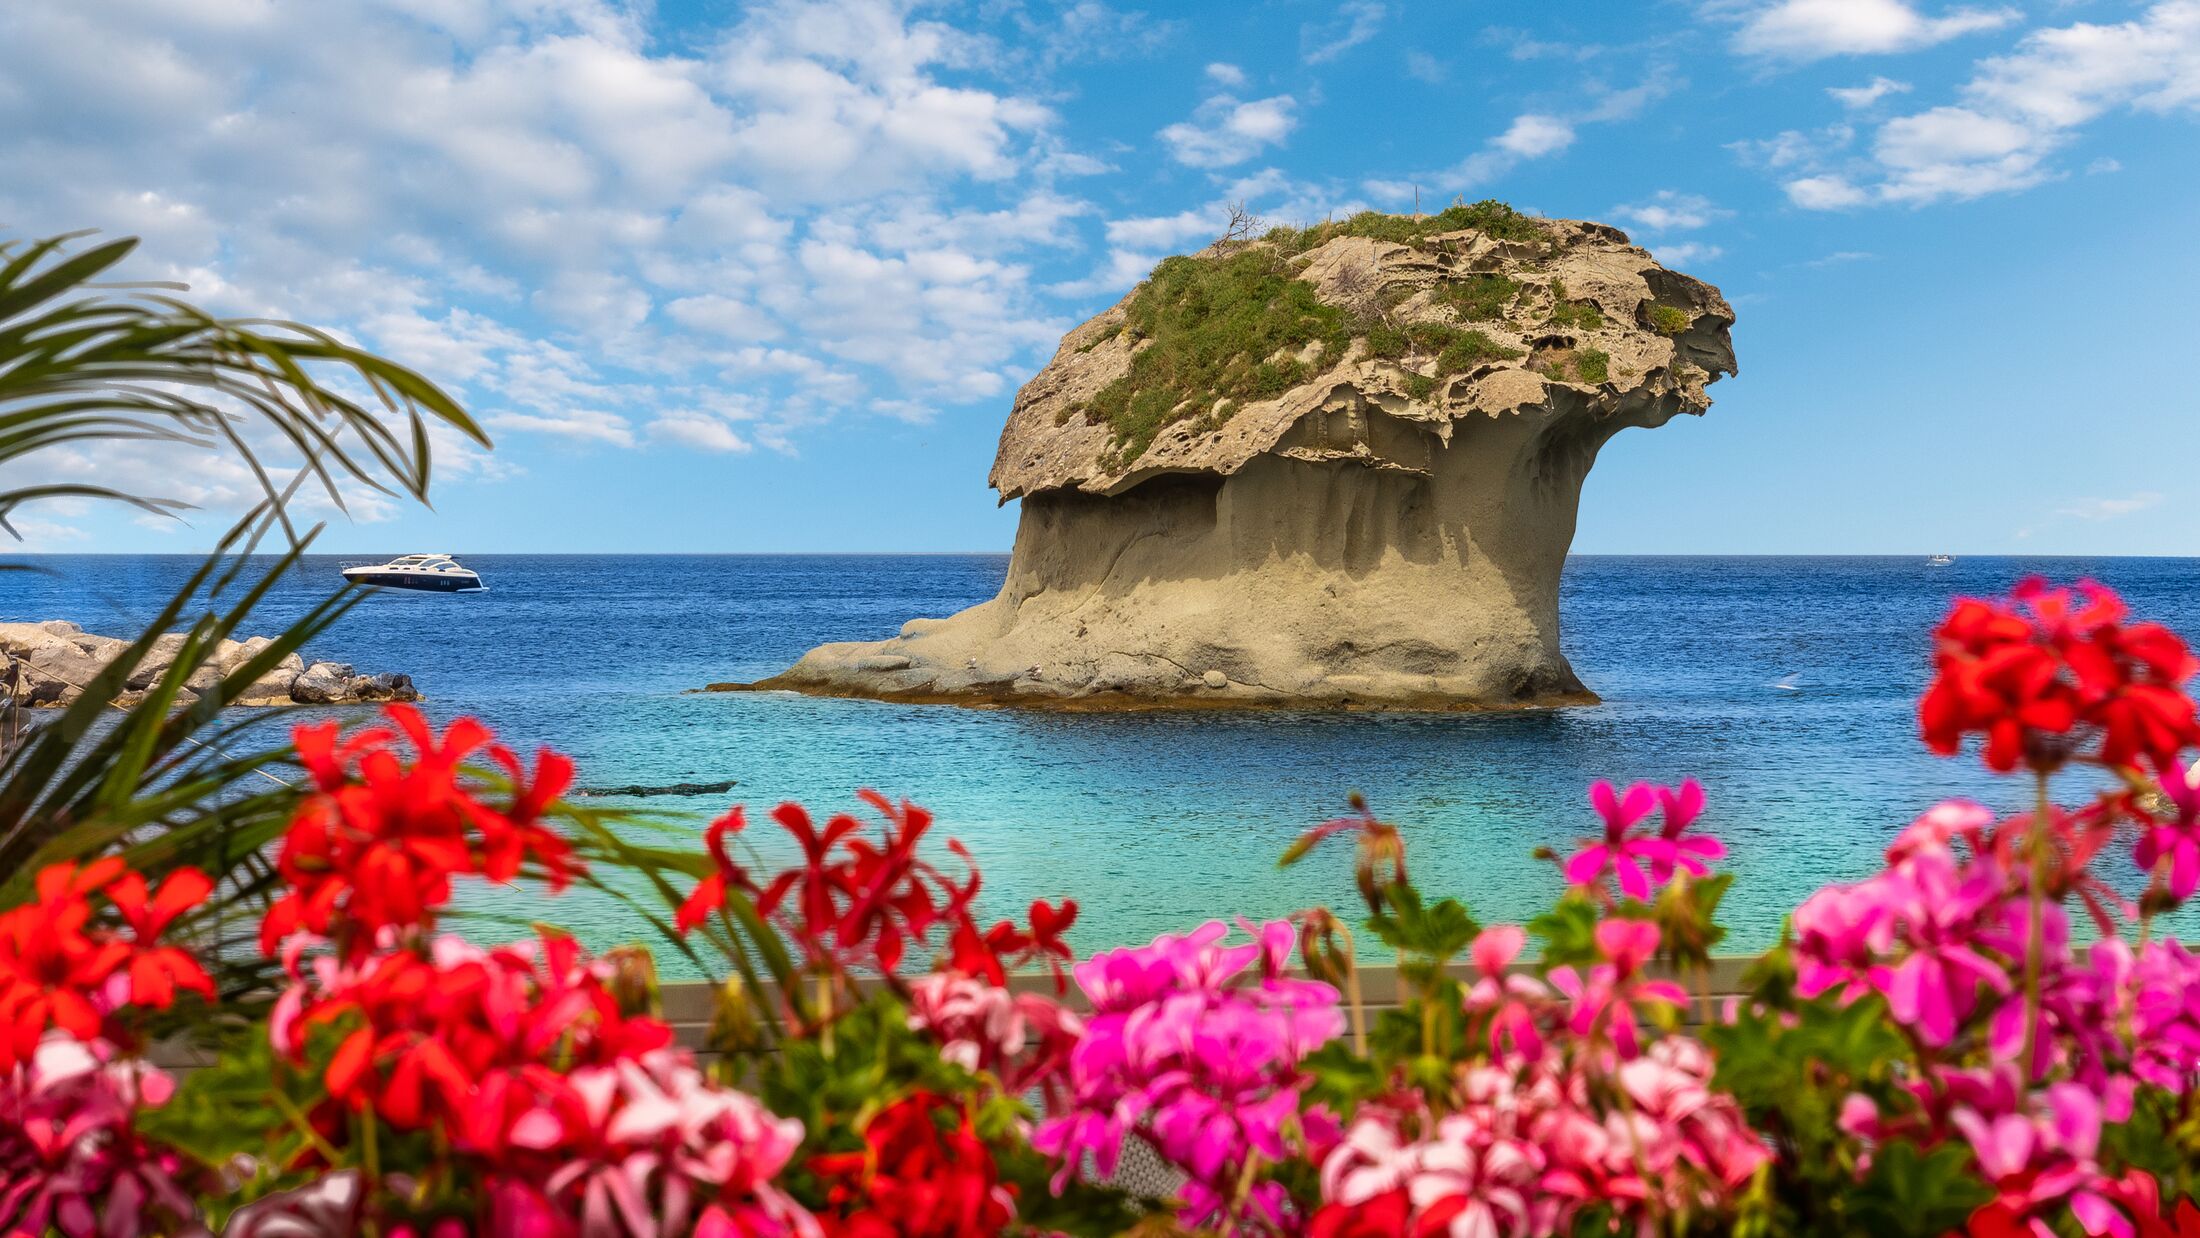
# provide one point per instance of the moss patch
(1594, 365)
(1479, 298)
(1222, 328)
(1669, 319)
(1580, 315)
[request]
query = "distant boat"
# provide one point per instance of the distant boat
(431, 573)
(1938, 560)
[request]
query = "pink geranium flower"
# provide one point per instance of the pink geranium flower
(1620, 851)
(1681, 806)
(1936, 986)
(1605, 1001)
(2173, 846)
(1507, 999)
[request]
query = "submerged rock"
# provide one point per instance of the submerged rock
(1330, 468)
(45, 662)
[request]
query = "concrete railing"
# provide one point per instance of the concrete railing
(688, 1004)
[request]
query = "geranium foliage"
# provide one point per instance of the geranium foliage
(1992, 1034)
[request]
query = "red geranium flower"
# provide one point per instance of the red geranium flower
(56, 964)
(377, 846)
(2030, 672)
(915, 1179)
(1384, 1216)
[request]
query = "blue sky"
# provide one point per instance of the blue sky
(764, 277)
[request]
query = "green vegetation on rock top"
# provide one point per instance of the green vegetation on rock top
(1489, 216)
(1218, 329)
(1221, 329)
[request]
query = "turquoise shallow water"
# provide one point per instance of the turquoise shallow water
(1156, 822)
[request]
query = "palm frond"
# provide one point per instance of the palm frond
(84, 363)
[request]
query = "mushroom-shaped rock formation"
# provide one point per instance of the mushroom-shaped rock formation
(1336, 467)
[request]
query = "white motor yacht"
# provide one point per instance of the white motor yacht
(433, 573)
(1938, 560)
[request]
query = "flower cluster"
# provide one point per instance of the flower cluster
(1634, 858)
(79, 964)
(2050, 669)
(59, 970)
(550, 1103)
(375, 848)
(1526, 1145)
(923, 1173)
(71, 1156)
(1196, 1047)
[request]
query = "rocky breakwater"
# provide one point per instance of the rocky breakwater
(1336, 467)
(47, 661)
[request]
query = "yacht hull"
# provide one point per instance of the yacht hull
(421, 581)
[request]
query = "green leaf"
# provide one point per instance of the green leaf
(1918, 1193)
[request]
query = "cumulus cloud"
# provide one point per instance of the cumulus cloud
(1686, 253)
(1869, 93)
(1671, 211)
(1801, 30)
(2016, 112)
(572, 222)
(697, 430)
(1226, 131)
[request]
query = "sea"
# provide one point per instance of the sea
(1787, 686)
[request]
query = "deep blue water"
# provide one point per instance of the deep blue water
(1158, 821)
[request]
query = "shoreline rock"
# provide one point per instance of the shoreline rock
(53, 656)
(1372, 514)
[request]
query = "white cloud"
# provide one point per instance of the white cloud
(2110, 509)
(1825, 193)
(1225, 131)
(1227, 76)
(1686, 253)
(572, 221)
(2017, 111)
(1355, 22)
(723, 316)
(1671, 211)
(1869, 93)
(1157, 232)
(1815, 29)
(593, 425)
(1423, 67)
(1534, 136)
(698, 430)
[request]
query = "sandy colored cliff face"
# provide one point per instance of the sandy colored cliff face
(1388, 531)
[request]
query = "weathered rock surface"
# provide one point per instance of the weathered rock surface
(1387, 532)
(45, 661)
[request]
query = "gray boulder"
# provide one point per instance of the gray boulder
(323, 683)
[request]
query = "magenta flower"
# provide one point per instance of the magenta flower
(2043, 1157)
(2173, 846)
(1936, 986)
(1605, 1001)
(1195, 1046)
(1842, 934)
(71, 1159)
(1507, 999)
(1619, 851)
(1940, 826)
(1681, 806)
